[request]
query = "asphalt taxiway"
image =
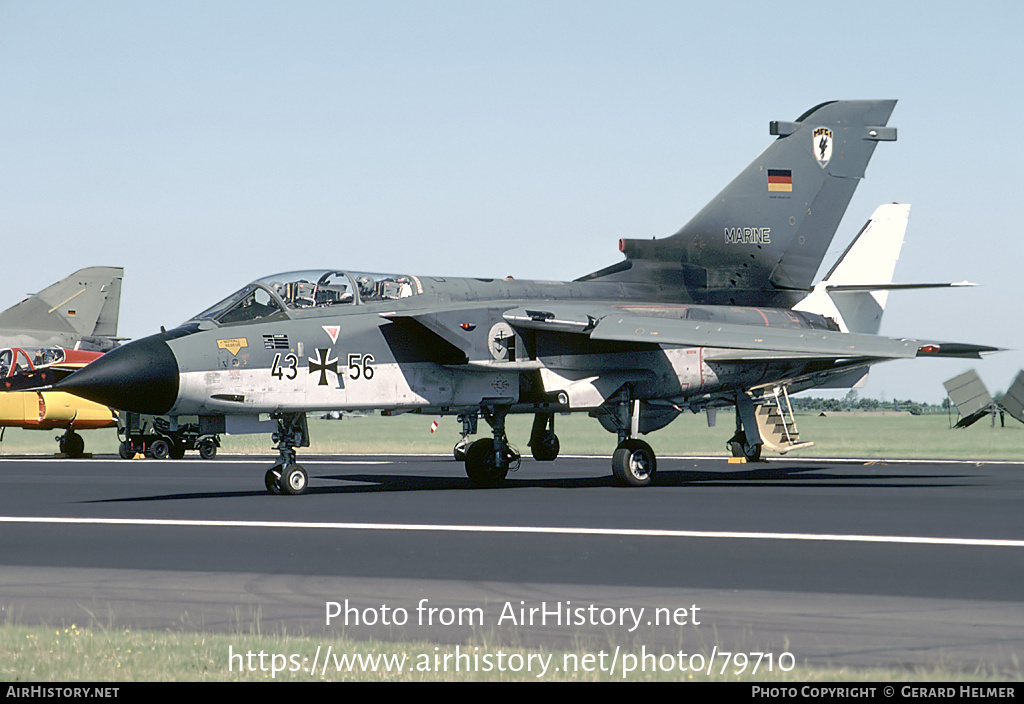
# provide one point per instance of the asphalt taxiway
(850, 563)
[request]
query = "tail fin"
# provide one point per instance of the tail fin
(761, 240)
(853, 293)
(79, 310)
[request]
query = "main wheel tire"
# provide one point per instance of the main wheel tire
(207, 448)
(545, 449)
(634, 463)
(125, 451)
(294, 479)
(737, 445)
(159, 449)
(481, 468)
(272, 480)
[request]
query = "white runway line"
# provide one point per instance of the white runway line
(621, 532)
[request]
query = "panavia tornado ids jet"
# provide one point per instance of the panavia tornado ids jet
(703, 319)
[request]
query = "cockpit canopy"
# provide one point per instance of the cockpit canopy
(275, 296)
(15, 360)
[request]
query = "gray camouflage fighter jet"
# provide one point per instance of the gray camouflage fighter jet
(78, 312)
(699, 320)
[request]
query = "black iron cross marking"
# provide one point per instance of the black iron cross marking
(323, 365)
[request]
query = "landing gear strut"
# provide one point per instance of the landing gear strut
(489, 460)
(543, 441)
(468, 421)
(287, 476)
(747, 441)
(634, 462)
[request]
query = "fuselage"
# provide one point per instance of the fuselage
(334, 340)
(46, 410)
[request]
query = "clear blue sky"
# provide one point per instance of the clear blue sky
(204, 144)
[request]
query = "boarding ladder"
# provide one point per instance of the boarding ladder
(777, 424)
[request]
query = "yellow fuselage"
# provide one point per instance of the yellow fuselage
(45, 410)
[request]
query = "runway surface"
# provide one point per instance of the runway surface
(849, 563)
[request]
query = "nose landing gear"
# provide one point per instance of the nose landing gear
(287, 476)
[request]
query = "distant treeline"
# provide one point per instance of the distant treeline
(851, 402)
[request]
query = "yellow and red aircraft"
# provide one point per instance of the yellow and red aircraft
(48, 410)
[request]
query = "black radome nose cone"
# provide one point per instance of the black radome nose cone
(141, 377)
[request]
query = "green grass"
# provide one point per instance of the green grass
(849, 435)
(98, 654)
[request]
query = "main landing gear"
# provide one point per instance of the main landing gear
(287, 476)
(634, 462)
(543, 441)
(468, 421)
(746, 442)
(489, 460)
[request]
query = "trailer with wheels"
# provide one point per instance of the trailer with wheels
(161, 437)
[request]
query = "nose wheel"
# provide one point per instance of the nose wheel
(291, 480)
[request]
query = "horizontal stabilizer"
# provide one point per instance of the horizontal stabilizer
(850, 288)
(954, 349)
